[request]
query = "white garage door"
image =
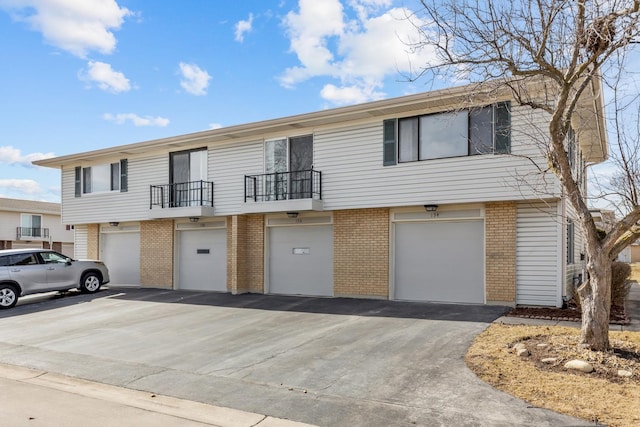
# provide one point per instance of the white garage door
(67, 249)
(301, 260)
(440, 261)
(121, 253)
(202, 260)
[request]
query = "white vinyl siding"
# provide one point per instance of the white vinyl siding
(116, 206)
(80, 242)
(353, 176)
(538, 258)
(228, 164)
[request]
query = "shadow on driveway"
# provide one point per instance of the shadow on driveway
(343, 306)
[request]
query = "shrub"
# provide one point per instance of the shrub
(620, 284)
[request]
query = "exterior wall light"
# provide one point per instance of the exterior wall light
(114, 223)
(430, 208)
(292, 214)
(194, 219)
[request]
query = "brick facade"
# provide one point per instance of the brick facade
(245, 254)
(156, 253)
(500, 244)
(361, 252)
(93, 241)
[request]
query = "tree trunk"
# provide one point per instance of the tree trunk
(595, 299)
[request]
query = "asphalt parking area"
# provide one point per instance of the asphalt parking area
(333, 362)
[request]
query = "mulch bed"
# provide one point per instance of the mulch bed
(617, 316)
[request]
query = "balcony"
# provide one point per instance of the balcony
(283, 191)
(30, 233)
(181, 199)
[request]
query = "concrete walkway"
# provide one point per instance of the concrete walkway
(323, 361)
(32, 397)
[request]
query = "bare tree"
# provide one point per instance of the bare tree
(568, 47)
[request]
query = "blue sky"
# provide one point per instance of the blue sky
(84, 75)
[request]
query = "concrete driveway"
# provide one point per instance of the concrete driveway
(330, 362)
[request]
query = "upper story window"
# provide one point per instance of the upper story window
(31, 225)
(188, 166)
(461, 133)
(101, 178)
(188, 171)
(288, 154)
(293, 155)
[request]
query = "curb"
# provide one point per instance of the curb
(166, 405)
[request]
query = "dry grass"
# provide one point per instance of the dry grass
(602, 396)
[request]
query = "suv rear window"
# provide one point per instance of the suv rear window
(18, 259)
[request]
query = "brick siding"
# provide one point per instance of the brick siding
(156, 253)
(500, 230)
(93, 241)
(245, 254)
(361, 252)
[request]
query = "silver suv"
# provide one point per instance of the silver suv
(30, 271)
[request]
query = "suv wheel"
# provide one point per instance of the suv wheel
(8, 296)
(90, 283)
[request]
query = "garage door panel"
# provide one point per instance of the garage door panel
(202, 260)
(121, 253)
(440, 261)
(301, 260)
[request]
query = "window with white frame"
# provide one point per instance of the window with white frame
(101, 178)
(30, 225)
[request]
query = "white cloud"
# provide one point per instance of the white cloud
(75, 26)
(309, 32)
(243, 27)
(366, 7)
(194, 79)
(359, 53)
(349, 94)
(13, 156)
(213, 126)
(16, 187)
(106, 77)
(136, 119)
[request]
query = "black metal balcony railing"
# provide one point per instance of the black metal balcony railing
(305, 184)
(30, 232)
(182, 194)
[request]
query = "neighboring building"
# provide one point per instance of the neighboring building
(31, 224)
(413, 198)
(635, 252)
(605, 220)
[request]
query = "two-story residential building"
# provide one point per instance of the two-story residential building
(33, 224)
(430, 197)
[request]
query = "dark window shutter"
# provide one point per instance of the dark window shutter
(78, 181)
(124, 177)
(390, 142)
(502, 117)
